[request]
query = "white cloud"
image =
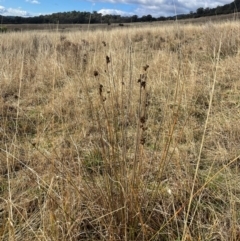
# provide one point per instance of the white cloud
(13, 12)
(165, 7)
(114, 12)
(33, 1)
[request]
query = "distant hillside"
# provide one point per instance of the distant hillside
(219, 10)
(75, 17)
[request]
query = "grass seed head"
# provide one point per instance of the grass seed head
(108, 59)
(142, 119)
(146, 67)
(95, 73)
(100, 89)
(143, 140)
(143, 84)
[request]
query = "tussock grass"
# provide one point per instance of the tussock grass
(123, 134)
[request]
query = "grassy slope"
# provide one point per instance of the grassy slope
(92, 150)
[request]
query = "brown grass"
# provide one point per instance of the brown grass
(128, 134)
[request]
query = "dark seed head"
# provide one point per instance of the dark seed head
(100, 89)
(107, 59)
(143, 84)
(143, 140)
(146, 67)
(95, 72)
(142, 119)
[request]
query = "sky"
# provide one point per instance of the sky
(156, 8)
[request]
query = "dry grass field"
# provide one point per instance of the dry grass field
(128, 134)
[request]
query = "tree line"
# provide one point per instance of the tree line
(77, 17)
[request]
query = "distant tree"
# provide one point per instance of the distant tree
(147, 18)
(200, 11)
(18, 20)
(134, 18)
(206, 11)
(162, 18)
(218, 10)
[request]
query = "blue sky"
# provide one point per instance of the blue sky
(123, 7)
